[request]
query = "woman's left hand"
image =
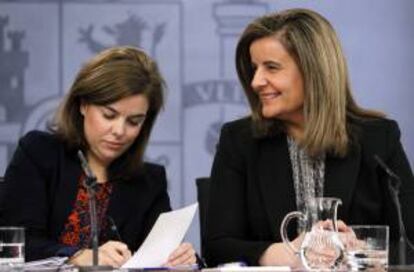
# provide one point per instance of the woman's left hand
(182, 255)
(346, 235)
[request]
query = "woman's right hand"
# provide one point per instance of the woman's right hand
(280, 254)
(111, 253)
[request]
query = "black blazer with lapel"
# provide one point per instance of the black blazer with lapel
(41, 188)
(252, 187)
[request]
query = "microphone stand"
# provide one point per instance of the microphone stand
(394, 183)
(91, 186)
(394, 187)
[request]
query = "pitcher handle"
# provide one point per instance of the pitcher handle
(283, 230)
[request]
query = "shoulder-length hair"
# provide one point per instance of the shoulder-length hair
(312, 42)
(111, 75)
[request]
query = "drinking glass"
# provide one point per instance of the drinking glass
(11, 248)
(366, 248)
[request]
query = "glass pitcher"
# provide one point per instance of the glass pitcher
(321, 248)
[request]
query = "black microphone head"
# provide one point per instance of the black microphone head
(90, 179)
(395, 181)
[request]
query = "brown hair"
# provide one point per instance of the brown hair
(111, 75)
(312, 42)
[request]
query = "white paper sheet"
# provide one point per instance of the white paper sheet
(165, 236)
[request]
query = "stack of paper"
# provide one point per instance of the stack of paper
(49, 264)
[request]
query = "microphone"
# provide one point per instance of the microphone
(91, 186)
(394, 184)
(90, 181)
(395, 181)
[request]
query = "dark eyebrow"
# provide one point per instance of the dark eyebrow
(138, 115)
(110, 108)
(267, 63)
(271, 62)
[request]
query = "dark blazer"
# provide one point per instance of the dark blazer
(41, 187)
(252, 187)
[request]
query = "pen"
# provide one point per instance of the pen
(114, 228)
(200, 261)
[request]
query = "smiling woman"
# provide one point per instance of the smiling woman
(108, 114)
(306, 138)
